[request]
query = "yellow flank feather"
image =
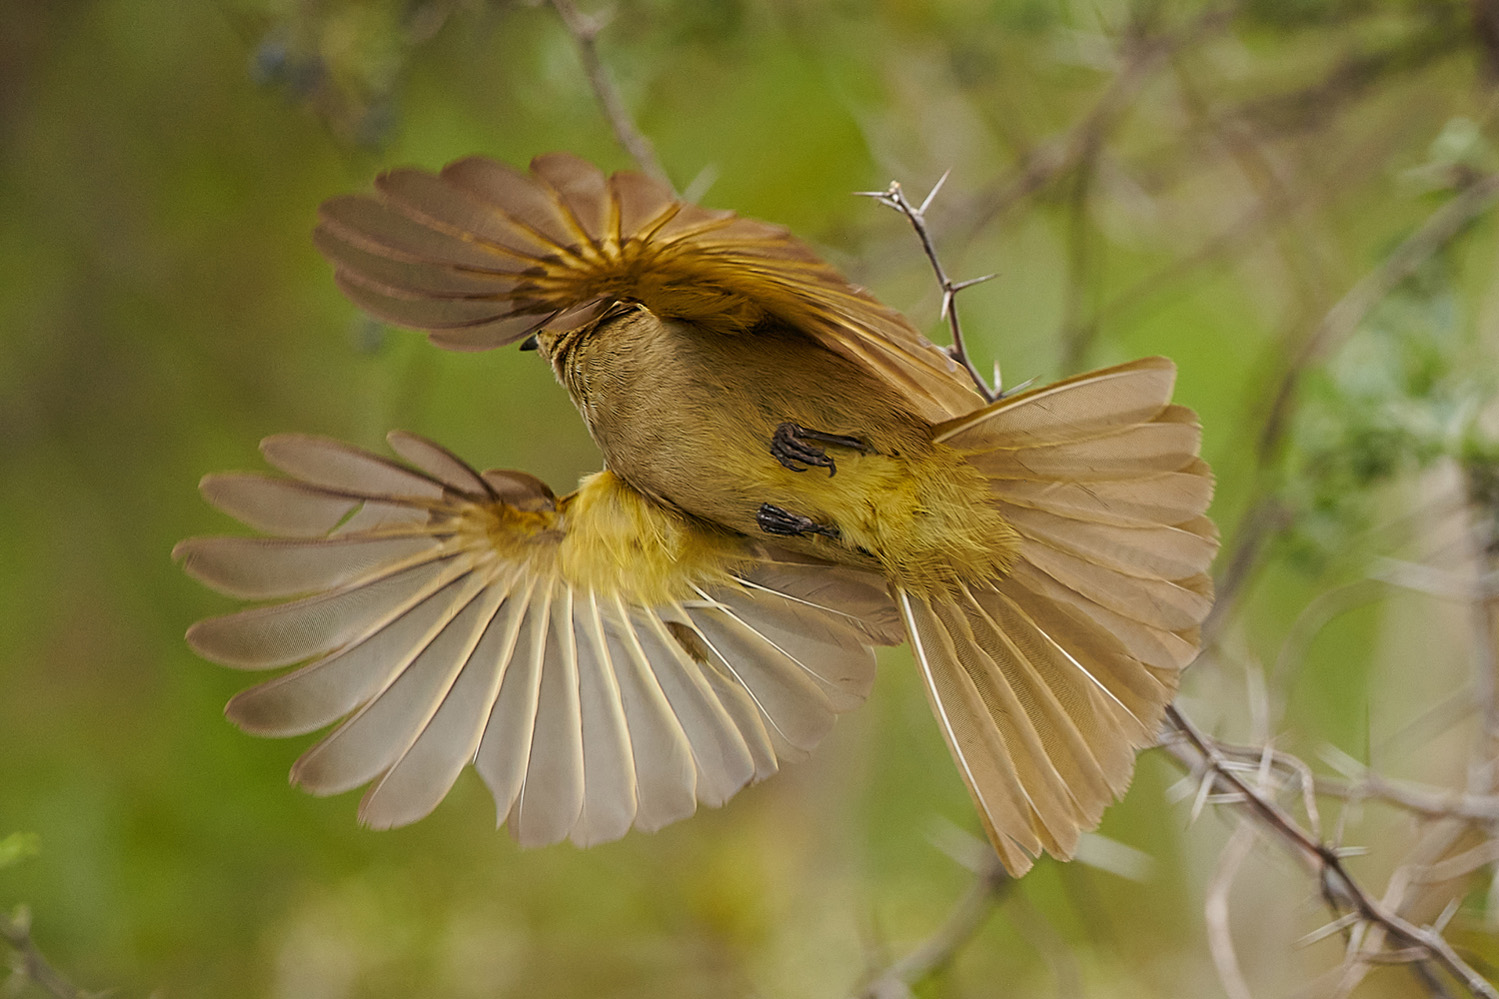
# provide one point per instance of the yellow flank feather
(617, 542)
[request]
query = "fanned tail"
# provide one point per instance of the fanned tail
(1047, 680)
(450, 617)
(481, 255)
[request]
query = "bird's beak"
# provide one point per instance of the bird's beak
(529, 343)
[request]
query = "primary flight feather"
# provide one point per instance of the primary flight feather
(793, 475)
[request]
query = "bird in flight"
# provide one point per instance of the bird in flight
(793, 476)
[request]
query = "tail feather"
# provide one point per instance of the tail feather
(1047, 679)
(981, 750)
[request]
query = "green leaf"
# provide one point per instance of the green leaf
(18, 847)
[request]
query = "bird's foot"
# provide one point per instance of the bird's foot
(792, 443)
(773, 520)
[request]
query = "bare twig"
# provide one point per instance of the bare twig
(1199, 753)
(895, 197)
(585, 30)
(1215, 912)
(1419, 799)
(1358, 73)
(28, 962)
(1485, 624)
(967, 916)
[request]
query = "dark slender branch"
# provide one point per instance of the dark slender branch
(1202, 756)
(895, 197)
(585, 30)
(1362, 784)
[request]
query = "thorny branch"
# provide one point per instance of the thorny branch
(1357, 910)
(895, 197)
(1201, 755)
(1363, 919)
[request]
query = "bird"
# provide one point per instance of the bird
(793, 476)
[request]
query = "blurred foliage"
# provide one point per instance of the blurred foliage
(163, 309)
(1405, 392)
(18, 847)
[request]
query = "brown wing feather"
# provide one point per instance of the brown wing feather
(481, 255)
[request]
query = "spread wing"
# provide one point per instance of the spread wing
(481, 255)
(448, 617)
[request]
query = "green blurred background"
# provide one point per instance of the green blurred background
(162, 309)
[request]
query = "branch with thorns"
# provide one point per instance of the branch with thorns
(1355, 907)
(1219, 768)
(1357, 911)
(894, 197)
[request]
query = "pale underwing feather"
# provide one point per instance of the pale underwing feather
(609, 793)
(322, 461)
(859, 598)
(276, 505)
(1133, 452)
(722, 758)
(440, 463)
(1083, 736)
(327, 689)
(1050, 798)
(827, 654)
(384, 517)
(1162, 498)
(505, 750)
(1165, 603)
(584, 713)
(1159, 551)
(375, 736)
(977, 744)
(665, 774)
(282, 634)
(794, 704)
(265, 568)
(551, 793)
(424, 773)
(1050, 676)
(1075, 408)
